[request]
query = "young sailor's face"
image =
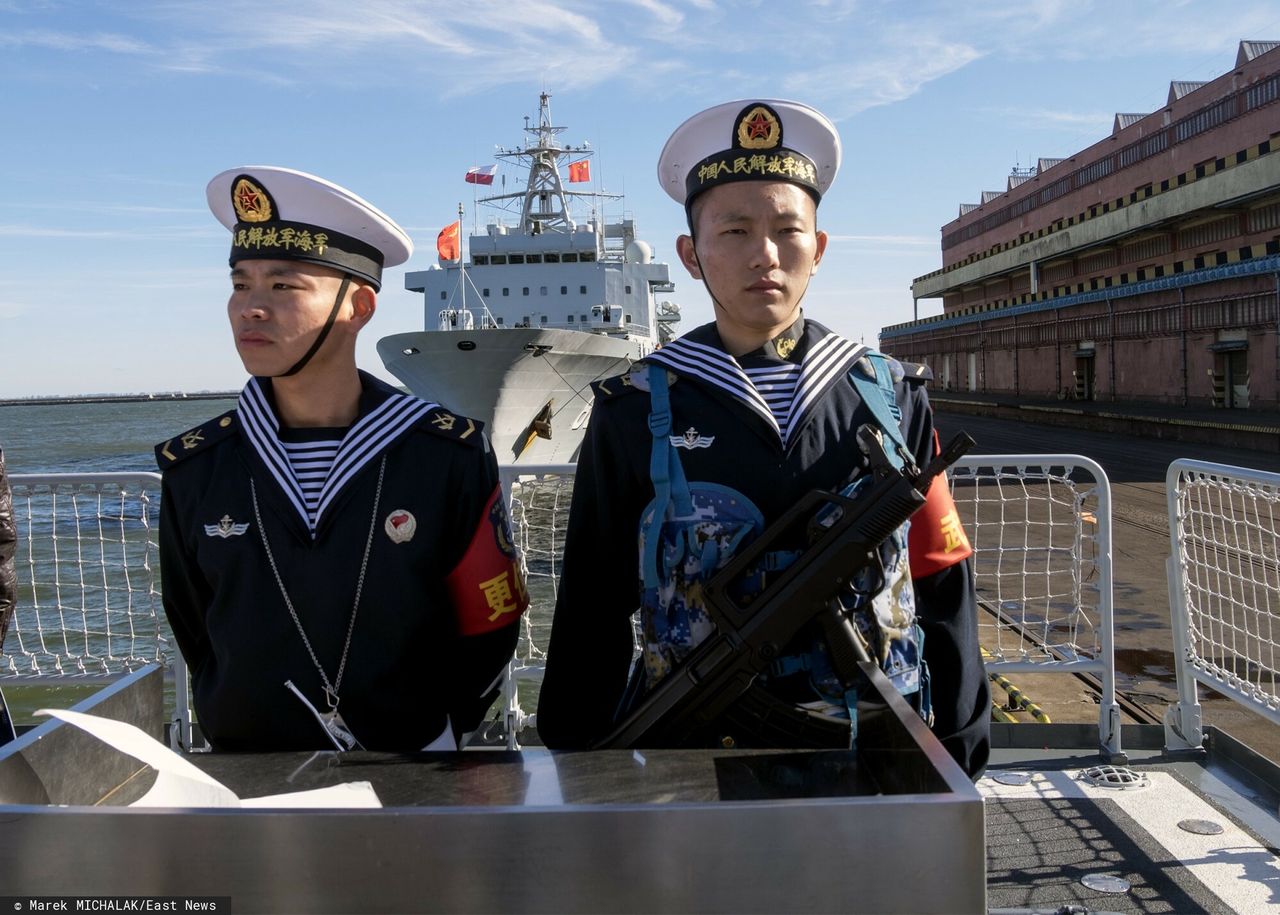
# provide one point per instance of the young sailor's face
(757, 246)
(277, 309)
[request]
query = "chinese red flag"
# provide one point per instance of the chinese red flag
(447, 242)
(580, 171)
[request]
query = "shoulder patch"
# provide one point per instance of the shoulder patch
(640, 377)
(195, 440)
(916, 372)
(612, 387)
(453, 425)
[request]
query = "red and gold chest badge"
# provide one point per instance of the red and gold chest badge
(400, 526)
(252, 203)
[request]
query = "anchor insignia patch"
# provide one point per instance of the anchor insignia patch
(225, 528)
(691, 439)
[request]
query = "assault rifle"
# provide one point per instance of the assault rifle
(844, 535)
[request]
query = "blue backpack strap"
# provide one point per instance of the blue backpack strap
(879, 397)
(665, 469)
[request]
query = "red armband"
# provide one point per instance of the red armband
(936, 539)
(487, 586)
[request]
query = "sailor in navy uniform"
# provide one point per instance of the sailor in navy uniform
(336, 556)
(761, 401)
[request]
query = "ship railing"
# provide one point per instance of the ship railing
(88, 607)
(617, 329)
(457, 319)
(1224, 590)
(1040, 527)
(89, 601)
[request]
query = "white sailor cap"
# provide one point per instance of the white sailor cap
(751, 140)
(283, 214)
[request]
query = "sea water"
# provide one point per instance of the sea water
(96, 437)
(88, 438)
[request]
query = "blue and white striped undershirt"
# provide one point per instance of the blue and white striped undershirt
(311, 453)
(777, 383)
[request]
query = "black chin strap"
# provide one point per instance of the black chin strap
(324, 331)
(693, 241)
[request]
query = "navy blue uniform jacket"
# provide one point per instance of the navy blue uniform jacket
(591, 640)
(408, 666)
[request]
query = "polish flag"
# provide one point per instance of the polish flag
(481, 174)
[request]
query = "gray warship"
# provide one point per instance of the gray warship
(519, 326)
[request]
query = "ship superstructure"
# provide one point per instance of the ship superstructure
(515, 333)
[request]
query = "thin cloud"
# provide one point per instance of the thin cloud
(844, 55)
(1074, 30)
(1047, 117)
(69, 41)
(575, 43)
(667, 15)
(12, 310)
(552, 40)
(887, 74)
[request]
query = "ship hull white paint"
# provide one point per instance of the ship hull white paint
(506, 377)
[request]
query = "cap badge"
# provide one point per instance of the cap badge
(759, 129)
(401, 526)
(225, 528)
(692, 439)
(251, 202)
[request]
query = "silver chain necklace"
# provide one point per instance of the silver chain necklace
(331, 720)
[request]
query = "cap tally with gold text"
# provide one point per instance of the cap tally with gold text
(283, 214)
(751, 140)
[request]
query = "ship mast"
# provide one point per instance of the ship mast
(545, 205)
(462, 261)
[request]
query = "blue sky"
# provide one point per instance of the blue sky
(113, 274)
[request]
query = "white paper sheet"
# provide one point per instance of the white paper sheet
(179, 783)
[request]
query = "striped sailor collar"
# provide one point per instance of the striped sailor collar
(825, 359)
(385, 416)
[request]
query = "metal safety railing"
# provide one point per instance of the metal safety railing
(1039, 525)
(1224, 590)
(1040, 528)
(88, 605)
